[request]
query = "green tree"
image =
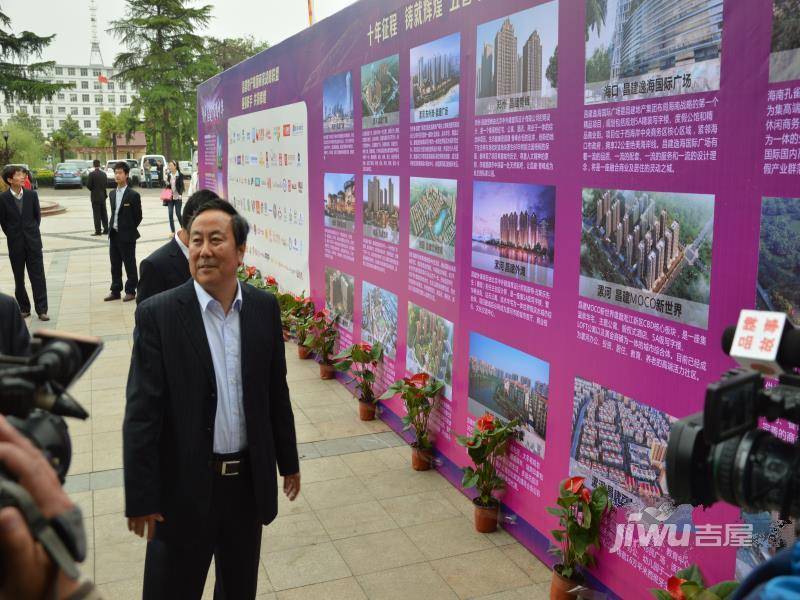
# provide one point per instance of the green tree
(595, 15)
(23, 79)
(229, 52)
(552, 69)
(109, 130)
(785, 25)
(23, 145)
(67, 137)
(165, 61)
(598, 67)
(29, 123)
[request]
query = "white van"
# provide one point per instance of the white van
(149, 164)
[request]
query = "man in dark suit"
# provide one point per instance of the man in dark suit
(20, 216)
(14, 337)
(97, 184)
(126, 214)
(168, 267)
(207, 419)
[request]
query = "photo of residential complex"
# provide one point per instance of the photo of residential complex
(654, 247)
(340, 296)
(513, 230)
(435, 79)
(646, 48)
(337, 103)
(784, 58)
(340, 200)
(379, 317)
(511, 385)
(778, 285)
(429, 345)
(380, 92)
(381, 200)
(619, 441)
(517, 61)
(433, 216)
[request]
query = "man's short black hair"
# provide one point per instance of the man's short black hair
(8, 172)
(196, 200)
(239, 224)
(95, 163)
(124, 166)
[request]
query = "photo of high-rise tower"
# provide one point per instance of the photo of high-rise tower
(649, 48)
(784, 58)
(380, 92)
(429, 344)
(340, 296)
(432, 218)
(381, 200)
(435, 79)
(517, 61)
(337, 103)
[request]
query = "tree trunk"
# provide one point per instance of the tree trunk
(114, 145)
(61, 152)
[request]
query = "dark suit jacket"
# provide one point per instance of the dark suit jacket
(163, 270)
(97, 184)
(168, 431)
(22, 230)
(14, 337)
(130, 214)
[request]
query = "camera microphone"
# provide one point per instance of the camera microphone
(766, 342)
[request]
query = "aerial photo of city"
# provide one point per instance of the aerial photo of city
(435, 79)
(648, 48)
(429, 345)
(380, 92)
(340, 296)
(654, 245)
(381, 200)
(433, 216)
(620, 441)
(784, 60)
(337, 103)
(513, 227)
(340, 200)
(517, 61)
(509, 384)
(379, 317)
(778, 286)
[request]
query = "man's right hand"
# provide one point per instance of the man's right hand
(138, 524)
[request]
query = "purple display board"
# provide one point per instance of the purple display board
(554, 210)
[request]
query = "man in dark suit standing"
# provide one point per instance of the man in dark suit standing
(14, 337)
(97, 184)
(207, 419)
(20, 217)
(168, 267)
(126, 214)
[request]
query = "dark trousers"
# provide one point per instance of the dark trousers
(122, 253)
(100, 215)
(231, 534)
(32, 259)
(174, 206)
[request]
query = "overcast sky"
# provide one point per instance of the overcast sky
(266, 20)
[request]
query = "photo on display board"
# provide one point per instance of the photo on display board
(340, 201)
(381, 203)
(651, 48)
(435, 79)
(513, 230)
(379, 317)
(778, 286)
(511, 385)
(649, 252)
(784, 58)
(432, 221)
(770, 536)
(337, 103)
(340, 296)
(517, 61)
(429, 345)
(380, 92)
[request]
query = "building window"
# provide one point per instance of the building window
(84, 85)
(122, 87)
(97, 124)
(70, 71)
(59, 71)
(62, 110)
(48, 110)
(73, 110)
(61, 96)
(87, 110)
(123, 99)
(23, 109)
(73, 97)
(84, 97)
(111, 99)
(98, 110)
(96, 73)
(97, 85)
(36, 110)
(87, 124)
(38, 122)
(50, 123)
(98, 98)
(61, 123)
(84, 72)
(110, 85)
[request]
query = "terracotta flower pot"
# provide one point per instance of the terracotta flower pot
(326, 371)
(560, 588)
(421, 459)
(303, 352)
(486, 517)
(366, 411)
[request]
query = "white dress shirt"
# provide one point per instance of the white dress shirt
(120, 193)
(184, 248)
(224, 342)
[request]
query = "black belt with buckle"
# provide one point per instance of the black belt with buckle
(229, 465)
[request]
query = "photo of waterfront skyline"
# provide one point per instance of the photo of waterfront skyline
(432, 225)
(379, 317)
(337, 103)
(381, 203)
(435, 79)
(340, 296)
(380, 92)
(340, 200)
(429, 345)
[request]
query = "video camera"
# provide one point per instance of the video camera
(721, 453)
(34, 399)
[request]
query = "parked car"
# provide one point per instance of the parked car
(134, 175)
(186, 168)
(150, 161)
(67, 174)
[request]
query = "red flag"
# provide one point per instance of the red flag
(102, 79)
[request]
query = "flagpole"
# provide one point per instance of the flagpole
(310, 12)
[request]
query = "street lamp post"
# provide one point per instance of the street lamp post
(5, 153)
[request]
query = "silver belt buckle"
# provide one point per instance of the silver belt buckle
(225, 464)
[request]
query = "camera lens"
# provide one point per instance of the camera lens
(49, 433)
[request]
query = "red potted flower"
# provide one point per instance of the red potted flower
(420, 392)
(321, 338)
(689, 583)
(361, 360)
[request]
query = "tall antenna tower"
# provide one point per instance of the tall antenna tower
(95, 56)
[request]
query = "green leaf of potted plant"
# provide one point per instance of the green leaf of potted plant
(489, 441)
(301, 318)
(360, 360)
(580, 515)
(321, 338)
(689, 584)
(420, 393)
